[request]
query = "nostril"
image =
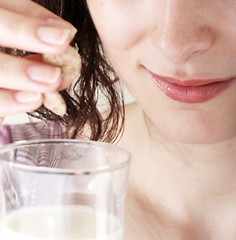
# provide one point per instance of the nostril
(179, 45)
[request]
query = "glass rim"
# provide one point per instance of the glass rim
(68, 171)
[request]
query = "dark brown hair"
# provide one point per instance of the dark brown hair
(97, 77)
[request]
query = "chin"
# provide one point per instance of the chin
(197, 127)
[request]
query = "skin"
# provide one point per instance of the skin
(186, 150)
(178, 39)
(20, 24)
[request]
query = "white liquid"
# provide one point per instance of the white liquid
(55, 223)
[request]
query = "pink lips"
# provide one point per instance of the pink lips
(192, 90)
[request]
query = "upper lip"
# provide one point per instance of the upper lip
(193, 82)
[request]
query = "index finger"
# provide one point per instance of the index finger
(30, 9)
(33, 34)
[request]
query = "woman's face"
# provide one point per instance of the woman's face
(178, 59)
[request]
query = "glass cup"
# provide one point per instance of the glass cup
(62, 189)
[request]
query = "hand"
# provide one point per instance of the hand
(27, 26)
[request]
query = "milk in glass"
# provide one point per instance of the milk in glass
(60, 222)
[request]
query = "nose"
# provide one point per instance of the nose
(183, 31)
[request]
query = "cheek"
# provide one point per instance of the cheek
(228, 18)
(120, 27)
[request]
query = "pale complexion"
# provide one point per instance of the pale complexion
(23, 81)
(182, 181)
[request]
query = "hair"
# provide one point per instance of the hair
(97, 77)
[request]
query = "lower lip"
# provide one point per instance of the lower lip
(191, 94)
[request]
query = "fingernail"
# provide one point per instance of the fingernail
(43, 74)
(60, 23)
(27, 97)
(54, 35)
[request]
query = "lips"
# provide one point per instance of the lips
(192, 90)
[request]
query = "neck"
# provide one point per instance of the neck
(188, 182)
(190, 172)
(206, 164)
(209, 163)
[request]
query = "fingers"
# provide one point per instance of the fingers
(14, 102)
(23, 82)
(62, 84)
(66, 82)
(27, 26)
(33, 34)
(29, 8)
(25, 75)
